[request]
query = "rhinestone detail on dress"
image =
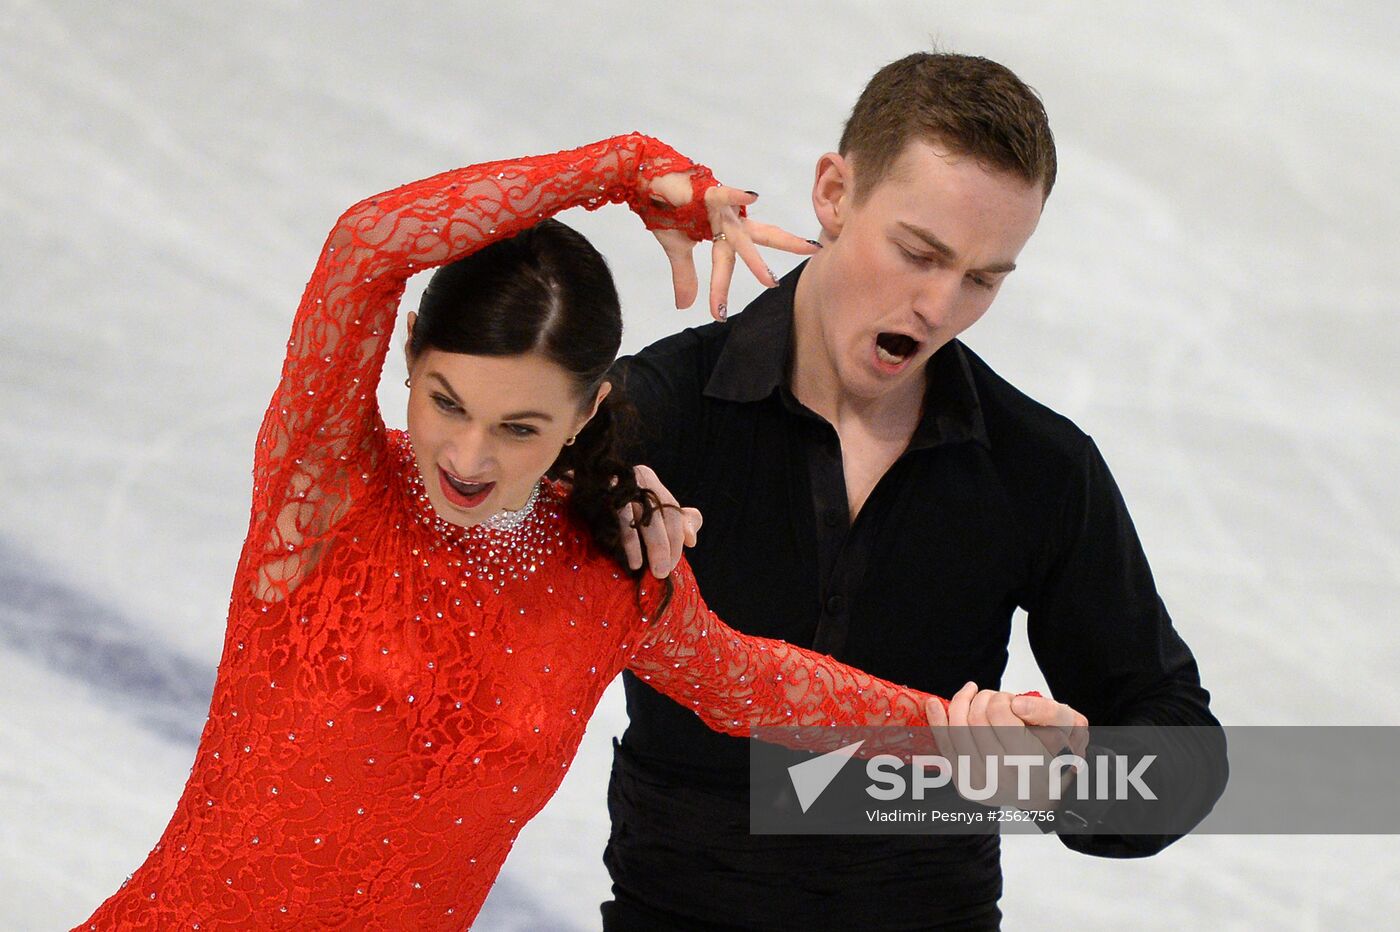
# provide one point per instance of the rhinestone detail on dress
(514, 547)
(510, 520)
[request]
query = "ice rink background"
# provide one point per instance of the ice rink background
(1211, 294)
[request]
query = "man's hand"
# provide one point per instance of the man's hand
(1056, 725)
(734, 236)
(986, 723)
(670, 530)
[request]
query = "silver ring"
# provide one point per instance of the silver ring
(720, 237)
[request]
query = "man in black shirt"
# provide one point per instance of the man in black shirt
(873, 490)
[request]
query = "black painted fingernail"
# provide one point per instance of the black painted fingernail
(815, 243)
(723, 311)
(754, 193)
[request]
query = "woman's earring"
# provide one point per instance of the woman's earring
(405, 384)
(570, 441)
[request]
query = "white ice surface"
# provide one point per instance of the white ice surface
(1211, 294)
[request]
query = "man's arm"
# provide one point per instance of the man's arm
(1104, 640)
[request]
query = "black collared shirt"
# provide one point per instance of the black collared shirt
(997, 503)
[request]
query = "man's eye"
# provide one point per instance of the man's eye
(520, 430)
(980, 282)
(446, 404)
(917, 258)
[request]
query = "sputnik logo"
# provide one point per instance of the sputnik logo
(811, 777)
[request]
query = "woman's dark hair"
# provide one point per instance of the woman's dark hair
(546, 290)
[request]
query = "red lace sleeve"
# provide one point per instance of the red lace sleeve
(735, 682)
(322, 436)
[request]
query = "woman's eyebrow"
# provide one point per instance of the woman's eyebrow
(447, 386)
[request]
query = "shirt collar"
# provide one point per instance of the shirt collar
(754, 363)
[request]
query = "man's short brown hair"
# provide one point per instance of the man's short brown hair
(973, 106)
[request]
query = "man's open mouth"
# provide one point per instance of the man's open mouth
(893, 349)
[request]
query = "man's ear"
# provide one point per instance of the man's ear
(832, 193)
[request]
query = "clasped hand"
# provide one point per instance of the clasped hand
(986, 726)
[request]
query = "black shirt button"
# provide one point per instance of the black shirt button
(836, 605)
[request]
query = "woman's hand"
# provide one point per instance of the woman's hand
(665, 536)
(734, 235)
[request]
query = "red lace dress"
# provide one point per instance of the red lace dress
(397, 696)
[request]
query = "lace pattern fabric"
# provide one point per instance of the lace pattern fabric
(397, 696)
(736, 682)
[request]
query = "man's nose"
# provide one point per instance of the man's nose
(937, 298)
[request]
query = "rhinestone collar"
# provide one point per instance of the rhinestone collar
(510, 520)
(508, 545)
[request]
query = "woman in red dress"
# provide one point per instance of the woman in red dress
(422, 622)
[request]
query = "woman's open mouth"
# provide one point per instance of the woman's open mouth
(462, 493)
(893, 350)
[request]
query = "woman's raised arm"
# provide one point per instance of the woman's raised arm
(321, 437)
